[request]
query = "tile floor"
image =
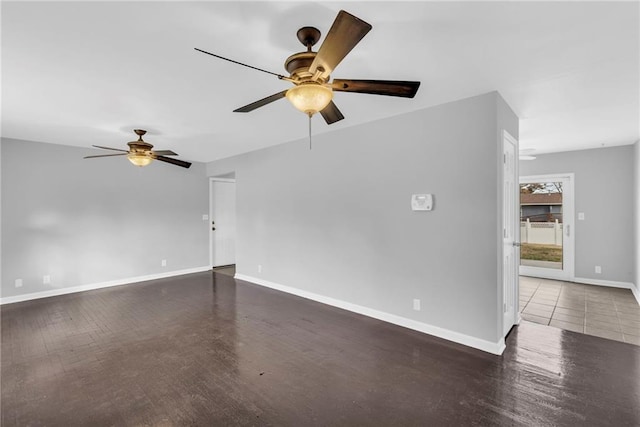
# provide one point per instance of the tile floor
(594, 310)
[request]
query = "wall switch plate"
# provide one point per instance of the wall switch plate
(205, 217)
(46, 279)
(259, 268)
(581, 216)
(416, 304)
(598, 269)
(18, 283)
(164, 262)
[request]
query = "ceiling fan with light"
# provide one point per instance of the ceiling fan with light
(140, 153)
(526, 154)
(310, 71)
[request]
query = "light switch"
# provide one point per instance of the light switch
(205, 217)
(581, 216)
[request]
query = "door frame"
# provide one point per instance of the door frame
(568, 242)
(211, 181)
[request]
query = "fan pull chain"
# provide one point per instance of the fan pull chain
(309, 132)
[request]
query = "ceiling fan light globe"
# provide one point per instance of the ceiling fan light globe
(310, 97)
(139, 159)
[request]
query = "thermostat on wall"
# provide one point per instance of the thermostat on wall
(421, 202)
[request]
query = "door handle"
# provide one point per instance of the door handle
(517, 244)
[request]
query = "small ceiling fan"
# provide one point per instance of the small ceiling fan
(526, 154)
(140, 153)
(310, 71)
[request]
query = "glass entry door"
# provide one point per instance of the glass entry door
(546, 227)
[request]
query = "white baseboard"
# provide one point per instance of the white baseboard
(91, 286)
(599, 282)
(636, 293)
(519, 319)
(480, 344)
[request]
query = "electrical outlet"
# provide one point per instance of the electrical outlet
(598, 269)
(416, 304)
(164, 263)
(18, 283)
(259, 268)
(46, 279)
(205, 217)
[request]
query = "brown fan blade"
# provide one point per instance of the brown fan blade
(173, 161)
(261, 103)
(331, 113)
(109, 148)
(106, 155)
(377, 87)
(164, 153)
(346, 31)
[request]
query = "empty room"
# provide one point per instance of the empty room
(320, 213)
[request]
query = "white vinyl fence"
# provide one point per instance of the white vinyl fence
(543, 233)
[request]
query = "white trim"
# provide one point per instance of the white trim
(100, 285)
(541, 273)
(519, 319)
(600, 282)
(535, 178)
(490, 347)
(636, 293)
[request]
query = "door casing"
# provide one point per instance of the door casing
(568, 241)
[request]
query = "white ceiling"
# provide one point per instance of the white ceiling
(82, 73)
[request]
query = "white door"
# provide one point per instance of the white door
(223, 222)
(509, 233)
(546, 226)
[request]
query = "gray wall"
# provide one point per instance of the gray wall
(90, 221)
(336, 221)
(604, 192)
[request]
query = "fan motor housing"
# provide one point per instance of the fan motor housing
(139, 146)
(298, 66)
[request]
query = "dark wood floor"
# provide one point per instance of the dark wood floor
(204, 349)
